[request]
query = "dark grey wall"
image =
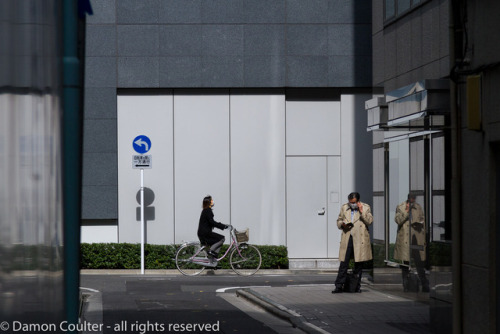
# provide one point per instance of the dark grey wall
(206, 44)
(480, 152)
(412, 48)
(229, 43)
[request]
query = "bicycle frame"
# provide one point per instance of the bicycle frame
(205, 261)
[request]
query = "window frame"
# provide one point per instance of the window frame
(414, 4)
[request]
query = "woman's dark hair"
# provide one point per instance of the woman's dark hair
(354, 195)
(207, 201)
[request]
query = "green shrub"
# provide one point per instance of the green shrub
(128, 256)
(440, 254)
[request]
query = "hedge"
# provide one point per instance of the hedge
(438, 254)
(127, 256)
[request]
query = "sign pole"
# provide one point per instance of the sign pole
(142, 221)
(142, 144)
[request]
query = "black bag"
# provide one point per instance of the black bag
(412, 282)
(351, 283)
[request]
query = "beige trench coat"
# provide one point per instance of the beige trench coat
(359, 232)
(402, 249)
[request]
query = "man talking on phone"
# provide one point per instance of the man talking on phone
(354, 219)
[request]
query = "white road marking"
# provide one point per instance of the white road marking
(222, 290)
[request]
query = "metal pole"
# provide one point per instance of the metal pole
(72, 130)
(142, 221)
(386, 200)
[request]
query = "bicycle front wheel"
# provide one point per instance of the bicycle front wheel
(184, 259)
(246, 261)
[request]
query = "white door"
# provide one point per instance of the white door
(313, 204)
(307, 235)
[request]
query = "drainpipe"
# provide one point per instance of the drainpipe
(72, 130)
(456, 169)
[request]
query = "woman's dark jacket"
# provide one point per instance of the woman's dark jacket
(207, 224)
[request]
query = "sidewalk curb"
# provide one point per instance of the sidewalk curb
(220, 271)
(92, 309)
(280, 311)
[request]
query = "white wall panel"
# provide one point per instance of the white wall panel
(356, 148)
(201, 160)
(334, 202)
(235, 147)
(313, 128)
(149, 115)
(99, 234)
(258, 166)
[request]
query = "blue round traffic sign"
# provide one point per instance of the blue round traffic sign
(141, 144)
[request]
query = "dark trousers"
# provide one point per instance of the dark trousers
(215, 240)
(344, 265)
(420, 266)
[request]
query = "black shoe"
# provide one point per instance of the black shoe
(337, 290)
(212, 253)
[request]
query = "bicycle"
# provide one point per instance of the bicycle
(191, 257)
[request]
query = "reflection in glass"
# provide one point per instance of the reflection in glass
(399, 171)
(441, 229)
(31, 222)
(390, 9)
(411, 242)
(403, 5)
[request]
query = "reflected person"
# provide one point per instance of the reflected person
(353, 220)
(411, 220)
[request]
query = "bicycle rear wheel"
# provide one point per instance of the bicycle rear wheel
(247, 261)
(184, 259)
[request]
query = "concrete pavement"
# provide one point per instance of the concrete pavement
(314, 309)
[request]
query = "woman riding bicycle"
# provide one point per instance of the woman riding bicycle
(205, 227)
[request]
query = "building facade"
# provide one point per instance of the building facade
(476, 113)
(434, 143)
(258, 103)
(410, 124)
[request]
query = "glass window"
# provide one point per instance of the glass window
(440, 229)
(395, 8)
(399, 171)
(390, 9)
(403, 6)
(417, 210)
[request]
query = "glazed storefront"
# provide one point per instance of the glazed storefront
(411, 156)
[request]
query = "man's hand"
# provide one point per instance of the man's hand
(360, 207)
(346, 227)
(407, 207)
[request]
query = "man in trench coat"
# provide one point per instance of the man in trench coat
(354, 219)
(410, 219)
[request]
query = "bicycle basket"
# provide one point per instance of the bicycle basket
(242, 236)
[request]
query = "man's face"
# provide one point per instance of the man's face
(353, 201)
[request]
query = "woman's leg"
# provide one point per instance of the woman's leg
(218, 241)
